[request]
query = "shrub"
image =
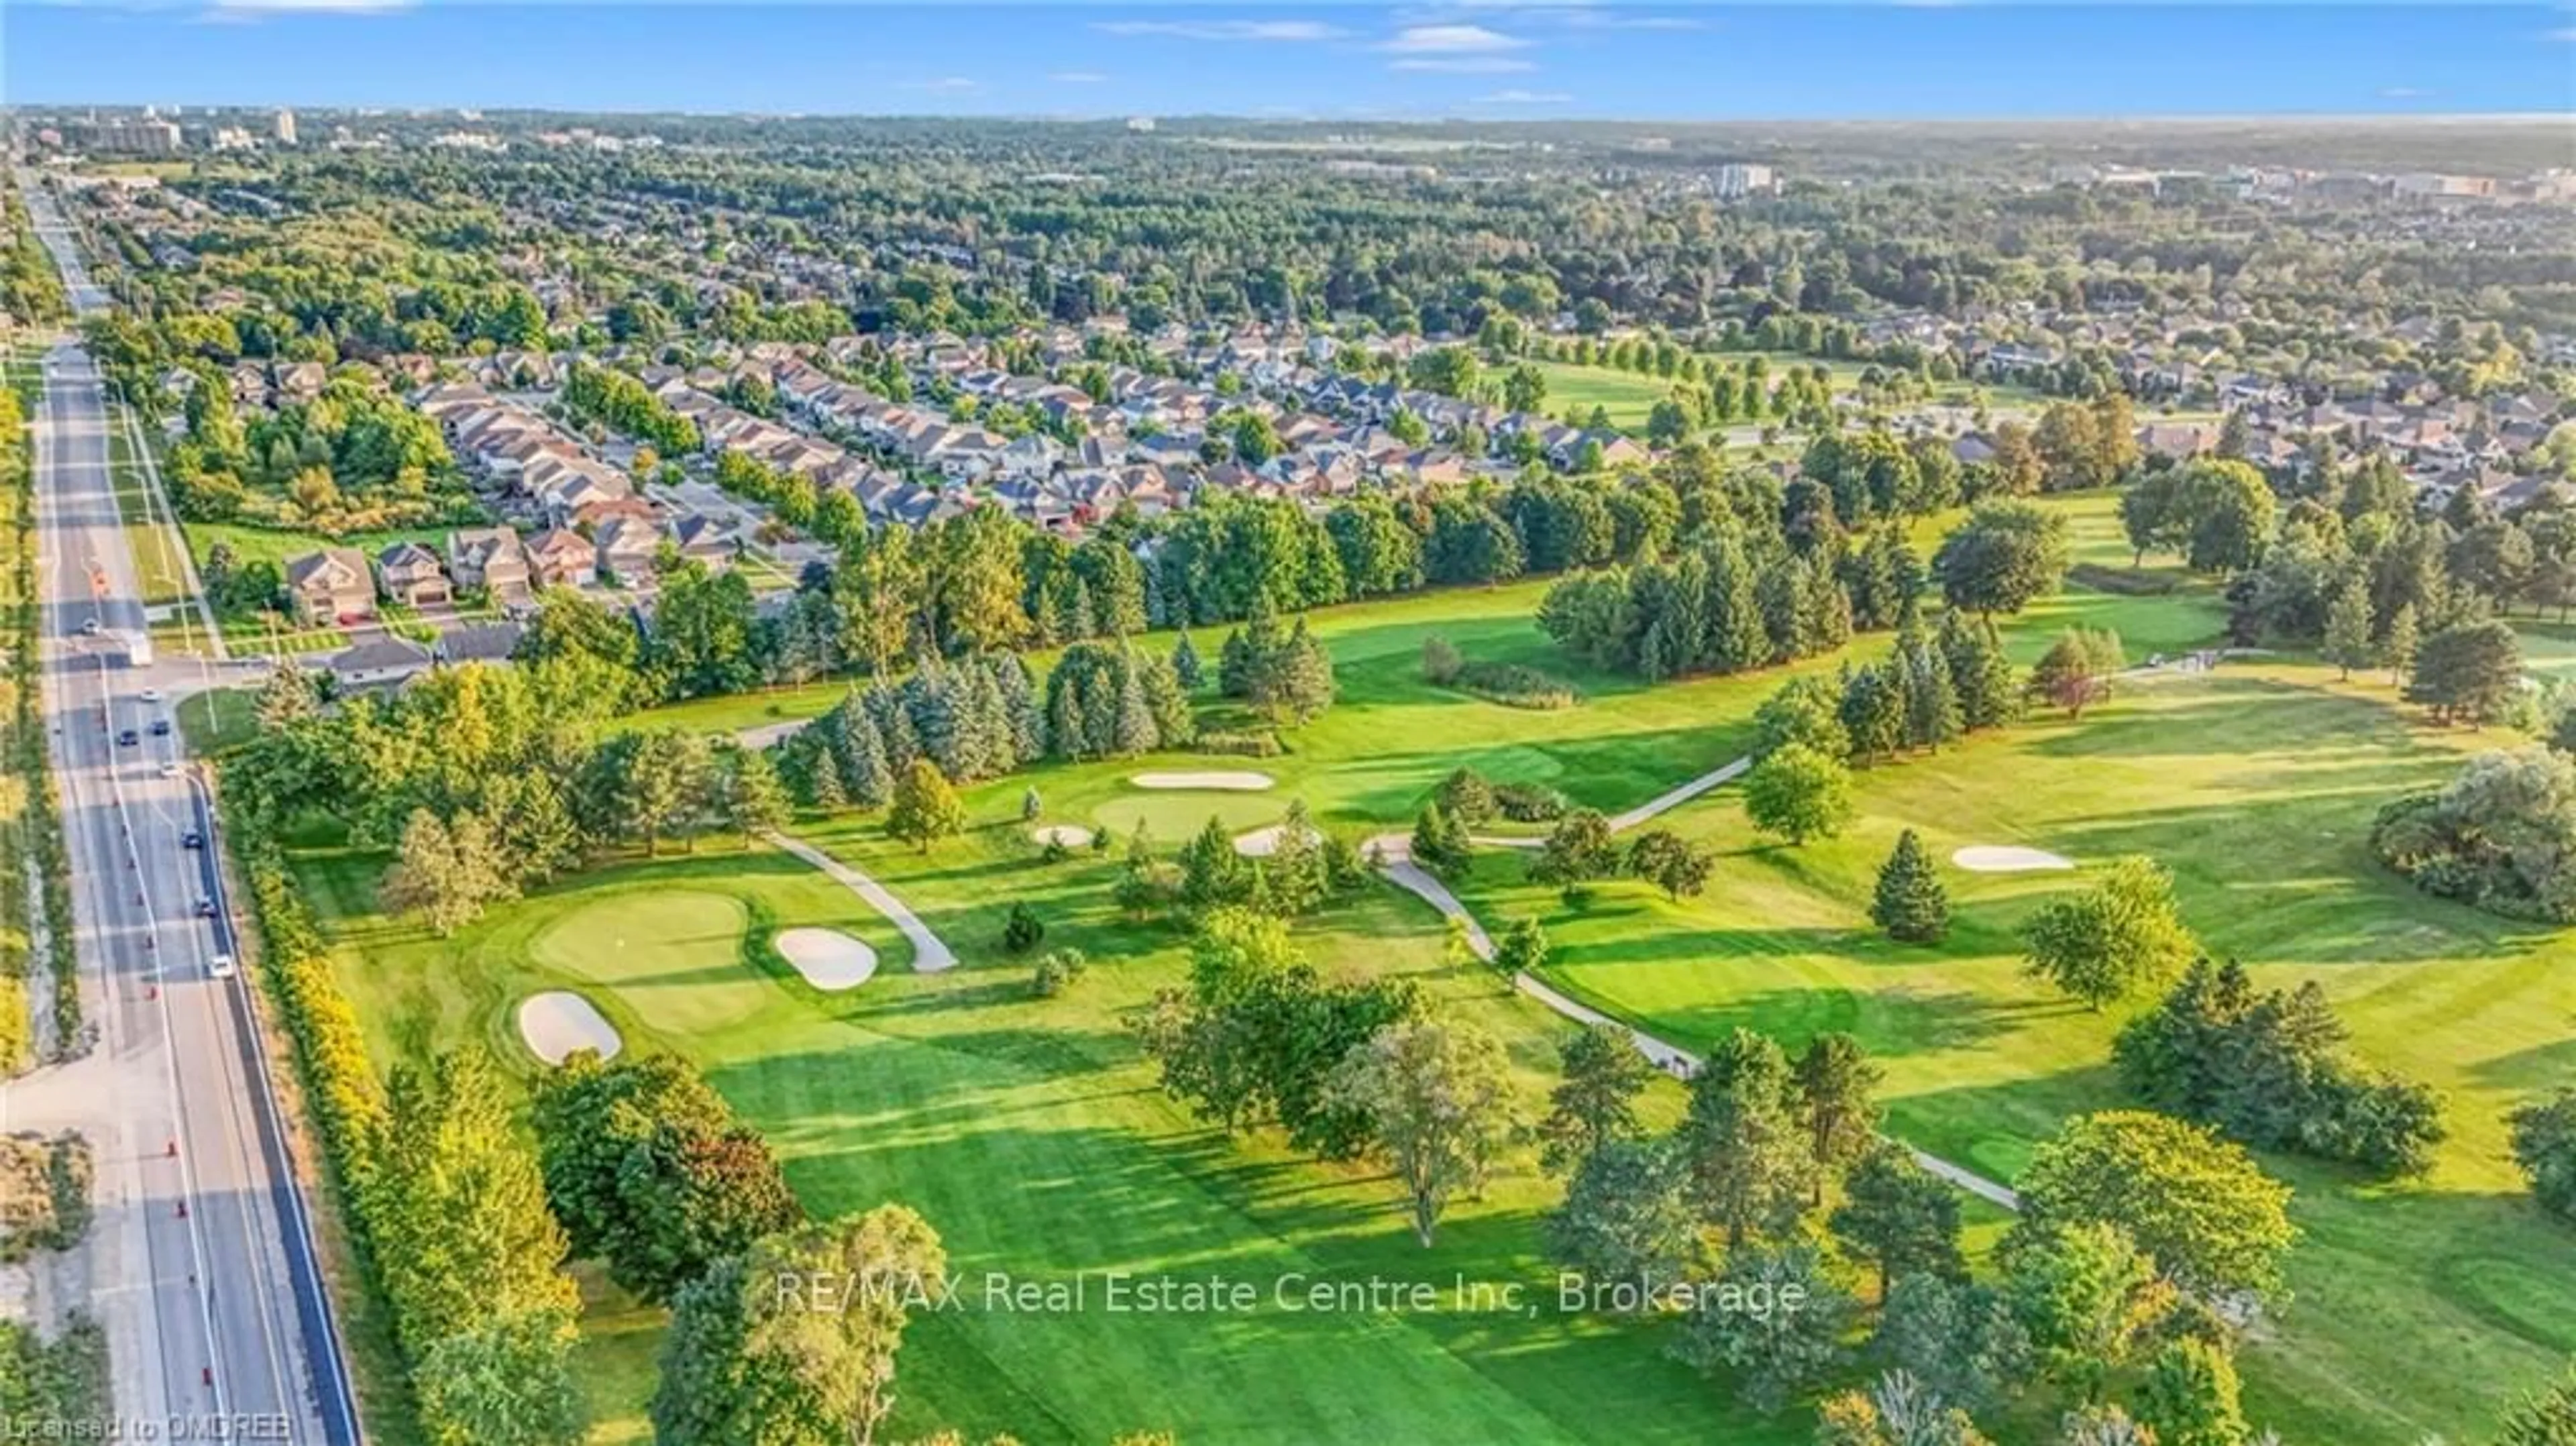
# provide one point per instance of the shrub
(2496, 836)
(44, 1193)
(1514, 686)
(1022, 930)
(1057, 972)
(1467, 796)
(1529, 802)
(1440, 661)
(1263, 744)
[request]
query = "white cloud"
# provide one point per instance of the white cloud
(244, 12)
(1451, 40)
(1584, 15)
(1078, 77)
(2403, 92)
(1464, 64)
(313, 7)
(1270, 30)
(1525, 97)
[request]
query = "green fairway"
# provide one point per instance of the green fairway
(2256, 787)
(1031, 1132)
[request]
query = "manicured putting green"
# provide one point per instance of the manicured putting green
(1174, 817)
(674, 956)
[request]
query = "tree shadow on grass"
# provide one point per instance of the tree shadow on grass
(2541, 1068)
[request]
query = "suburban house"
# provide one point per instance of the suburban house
(332, 585)
(386, 662)
(479, 643)
(560, 557)
(703, 539)
(411, 574)
(627, 547)
(489, 558)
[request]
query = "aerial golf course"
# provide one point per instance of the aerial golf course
(1032, 1132)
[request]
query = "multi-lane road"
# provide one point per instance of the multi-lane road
(202, 1266)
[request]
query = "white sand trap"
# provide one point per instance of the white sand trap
(1071, 835)
(557, 1022)
(1261, 843)
(1222, 782)
(829, 959)
(2008, 859)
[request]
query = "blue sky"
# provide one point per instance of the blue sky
(1479, 59)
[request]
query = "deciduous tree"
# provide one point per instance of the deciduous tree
(1438, 1100)
(1799, 794)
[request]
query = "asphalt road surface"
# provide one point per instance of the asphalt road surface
(202, 1268)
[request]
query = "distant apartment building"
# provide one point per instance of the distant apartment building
(1738, 179)
(124, 136)
(286, 128)
(2427, 185)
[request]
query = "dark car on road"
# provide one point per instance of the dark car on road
(128, 738)
(205, 907)
(160, 727)
(192, 840)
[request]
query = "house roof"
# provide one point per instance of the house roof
(480, 642)
(378, 654)
(331, 567)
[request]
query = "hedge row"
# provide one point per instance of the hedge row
(345, 1097)
(45, 930)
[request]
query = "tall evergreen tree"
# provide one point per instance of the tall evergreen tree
(1835, 1087)
(1750, 1163)
(1910, 903)
(866, 775)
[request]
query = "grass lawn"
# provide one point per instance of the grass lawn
(2420, 1307)
(219, 719)
(1626, 396)
(158, 568)
(257, 544)
(1032, 1135)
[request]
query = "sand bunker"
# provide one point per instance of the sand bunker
(2008, 859)
(1221, 781)
(829, 959)
(1261, 843)
(557, 1022)
(1071, 835)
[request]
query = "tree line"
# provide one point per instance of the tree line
(2127, 1220)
